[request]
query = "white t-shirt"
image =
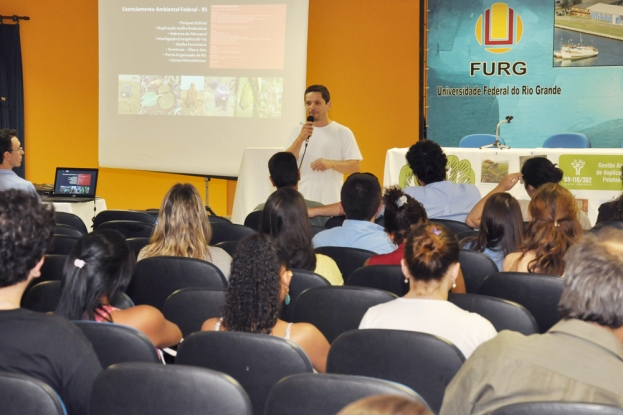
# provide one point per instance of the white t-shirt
(465, 330)
(332, 142)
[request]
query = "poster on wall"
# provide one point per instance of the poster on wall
(554, 65)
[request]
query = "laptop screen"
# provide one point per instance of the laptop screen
(73, 182)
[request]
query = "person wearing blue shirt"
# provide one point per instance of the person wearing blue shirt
(361, 201)
(441, 198)
(12, 154)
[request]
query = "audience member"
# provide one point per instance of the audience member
(580, 359)
(96, 272)
(361, 201)
(46, 347)
(611, 210)
(258, 285)
(552, 229)
(285, 218)
(431, 266)
(12, 155)
(501, 229)
(441, 198)
(401, 213)
(386, 405)
(285, 173)
(183, 229)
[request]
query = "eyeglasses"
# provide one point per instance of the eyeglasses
(18, 149)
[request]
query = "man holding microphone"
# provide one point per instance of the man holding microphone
(325, 150)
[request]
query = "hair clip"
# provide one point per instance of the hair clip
(78, 263)
(436, 231)
(556, 224)
(401, 201)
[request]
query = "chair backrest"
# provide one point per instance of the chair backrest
(314, 394)
(558, 408)
(69, 219)
(228, 246)
(334, 221)
(136, 244)
(24, 395)
(454, 226)
(383, 277)
(115, 343)
(253, 220)
(189, 308)
(478, 140)
(347, 259)
(217, 219)
(140, 388)
(302, 280)
(503, 314)
(62, 245)
(539, 294)
(257, 361)
(44, 297)
(228, 232)
(567, 140)
(52, 268)
(317, 229)
(129, 228)
(475, 266)
(336, 310)
(158, 277)
(132, 215)
(421, 361)
(67, 230)
(467, 234)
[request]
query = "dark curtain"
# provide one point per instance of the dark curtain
(12, 84)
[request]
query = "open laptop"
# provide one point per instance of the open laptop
(73, 185)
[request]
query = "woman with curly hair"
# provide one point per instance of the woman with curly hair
(553, 228)
(431, 266)
(611, 210)
(501, 229)
(258, 285)
(183, 229)
(285, 218)
(96, 272)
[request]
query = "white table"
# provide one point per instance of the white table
(84, 210)
(253, 185)
(592, 175)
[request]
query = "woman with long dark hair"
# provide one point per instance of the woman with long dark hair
(501, 229)
(553, 228)
(285, 218)
(98, 270)
(431, 266)
(258, 285)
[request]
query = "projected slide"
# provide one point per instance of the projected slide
(217, 76)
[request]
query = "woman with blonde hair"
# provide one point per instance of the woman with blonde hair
(183, 229)
(553, 228)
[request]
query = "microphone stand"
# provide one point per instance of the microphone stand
(496, 143)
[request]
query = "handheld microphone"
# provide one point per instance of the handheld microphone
(309, 119)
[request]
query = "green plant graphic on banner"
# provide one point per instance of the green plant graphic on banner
(591, 172)
(458, 172)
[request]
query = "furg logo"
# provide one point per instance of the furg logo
(498, 31)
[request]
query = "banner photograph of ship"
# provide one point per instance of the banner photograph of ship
(588, 33)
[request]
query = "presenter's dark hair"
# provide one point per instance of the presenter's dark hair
(592, 288)
(319, 88)
(106, 272)
(538, 170)
(252, 300)
(401, 213)
(361, 196)
(283, 169)
(6, 134)
(26, 228)
(285, 218)
(428, 161)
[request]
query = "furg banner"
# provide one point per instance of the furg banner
(554, 65)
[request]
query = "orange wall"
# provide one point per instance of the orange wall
(365, 52)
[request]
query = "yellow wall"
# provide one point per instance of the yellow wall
(365, 52)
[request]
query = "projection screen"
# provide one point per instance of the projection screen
(185, 87)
